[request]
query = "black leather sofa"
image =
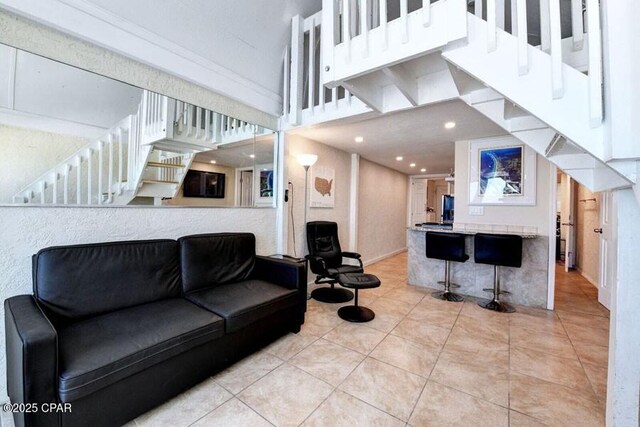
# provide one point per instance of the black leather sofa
(115, 329)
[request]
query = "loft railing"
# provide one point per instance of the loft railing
(585, 33)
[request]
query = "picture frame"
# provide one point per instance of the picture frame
(264, 184)
(322, 187)
(502, 171)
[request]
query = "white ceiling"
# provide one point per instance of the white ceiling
(247, 37)
(418, 135)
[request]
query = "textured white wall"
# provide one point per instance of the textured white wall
(382, 211)
(537, 215)
(587, 242)
(28, 229)
(329, 157)
(25, 154)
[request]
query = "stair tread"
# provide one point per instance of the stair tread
(158, 181)
(165, 165)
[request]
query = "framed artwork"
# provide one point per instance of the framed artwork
(502, 171)
(264, 184)
(322, 187)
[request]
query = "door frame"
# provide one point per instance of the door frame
(553, 212)
(410, 193)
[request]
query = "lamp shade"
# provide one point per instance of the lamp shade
(307, 159)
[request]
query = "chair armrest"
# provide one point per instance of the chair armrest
(354, 255)
(32, 359)
(317, 264)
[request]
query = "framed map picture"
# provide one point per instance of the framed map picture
(322, 187)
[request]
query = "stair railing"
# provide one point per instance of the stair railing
(585, 19)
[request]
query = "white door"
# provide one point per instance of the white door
(568, 222)
(246, 188)
(607, 249)
(418, 201)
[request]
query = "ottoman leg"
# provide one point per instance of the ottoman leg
(356, 313)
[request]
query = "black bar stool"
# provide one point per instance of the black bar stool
(497, 250)
(448, 247)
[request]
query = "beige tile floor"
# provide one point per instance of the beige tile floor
(420, 362)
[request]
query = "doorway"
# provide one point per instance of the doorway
(244, 185)
(426, 195)
(584, 236)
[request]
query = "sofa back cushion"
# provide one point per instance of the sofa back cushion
(75, 282)
(209, 260)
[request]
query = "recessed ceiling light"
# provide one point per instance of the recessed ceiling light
(450, 125)
(399, 158)
(213, 162)
(358, 139)
(423, 170)
(412, 165)
(253, 156)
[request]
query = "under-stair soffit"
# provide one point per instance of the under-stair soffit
(417, 134)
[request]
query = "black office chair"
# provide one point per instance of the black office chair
(448, 247)
(325, 260)
(497, 250)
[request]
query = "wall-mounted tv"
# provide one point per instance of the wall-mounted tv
(204, 184)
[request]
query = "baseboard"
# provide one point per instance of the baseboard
(586, 276)
(385, 256)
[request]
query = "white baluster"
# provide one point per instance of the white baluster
(383, 23)
(312, 63)
(523, 42)
(78, 180)
(477, 8)
(364, 27)
(207, 125)
(120, 140)
(426, 12)
(198, 122)
(321, 90)
(43, 187)
(492, 41)
(404, 10)
(89, 175)
(545, 26)
(285, 84)
(100, 166)
(595, 62)
(54, 180)
(297, 69)
(110, 173)
(346, 30)
(557, 82)
(190, 120)
(65, 184)
(514, 17)
(577, 25)
(500, 14)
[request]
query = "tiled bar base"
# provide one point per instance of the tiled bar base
(528, 284)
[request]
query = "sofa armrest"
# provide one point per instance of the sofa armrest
(32, 359)
(286, 273)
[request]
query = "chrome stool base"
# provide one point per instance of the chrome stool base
(447, 296)
(499, 306)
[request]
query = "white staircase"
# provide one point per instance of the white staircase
(146, 154)
(548, 96)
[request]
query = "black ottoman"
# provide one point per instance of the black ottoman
(357, 281)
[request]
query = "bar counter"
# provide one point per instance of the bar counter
(527, 284)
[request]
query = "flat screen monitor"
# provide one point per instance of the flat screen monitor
(447, 209)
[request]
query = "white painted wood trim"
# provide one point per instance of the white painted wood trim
(330, 28)
(297, 70)
(523, 42)
(364, 27)
(595, 62)
(426, 12)
(353, 202)
(557, 84)
(404, 8)
(346, 28)
(281, 185)
(383, 24)
(492, 36)
(545, 28)
(312, 64)
(553, 196)
(577, 25)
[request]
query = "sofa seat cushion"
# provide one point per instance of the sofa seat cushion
(243, 303)
(344, 269)
(97, 352)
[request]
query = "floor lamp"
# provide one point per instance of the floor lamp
(306, 160)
